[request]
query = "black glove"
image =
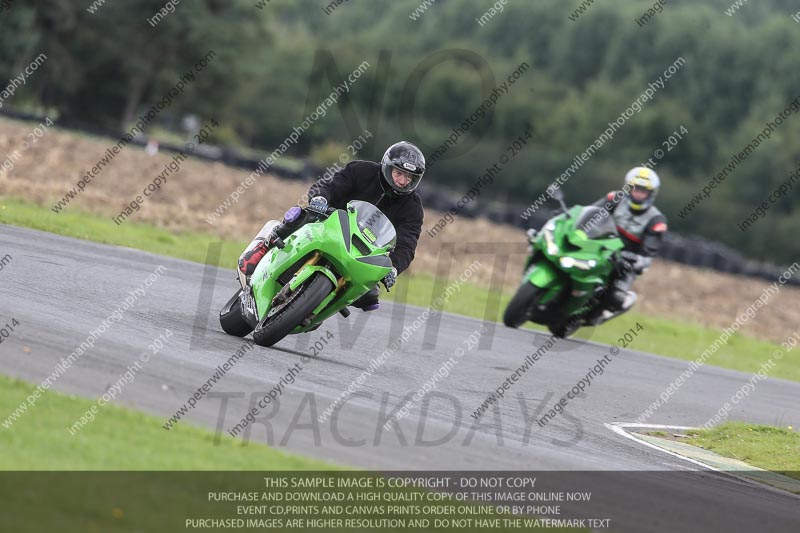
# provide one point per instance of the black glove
(629, 261)
(622, 261)
(390, 279)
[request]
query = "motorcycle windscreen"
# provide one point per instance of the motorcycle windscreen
(597, 223)
(374, 225)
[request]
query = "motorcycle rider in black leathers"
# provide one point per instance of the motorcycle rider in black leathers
(389, 185)
(641, 227)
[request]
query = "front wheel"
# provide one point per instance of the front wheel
(291, 313)
(231, 318)
(519, 307)
(566, 327)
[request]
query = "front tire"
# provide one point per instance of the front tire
(565, 328)
(302, 303)
(519, 307)
(231, 318)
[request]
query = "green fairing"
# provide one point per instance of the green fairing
(548, 273)
(339, 258)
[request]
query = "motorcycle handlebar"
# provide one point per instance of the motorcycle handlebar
(328, 211)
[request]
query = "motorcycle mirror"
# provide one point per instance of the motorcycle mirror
(558, 194)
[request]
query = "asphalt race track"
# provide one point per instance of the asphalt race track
(60, 289)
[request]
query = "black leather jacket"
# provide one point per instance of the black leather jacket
(361, 180)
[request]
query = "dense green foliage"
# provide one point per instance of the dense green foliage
(277, 64)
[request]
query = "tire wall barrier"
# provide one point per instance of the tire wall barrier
(688, 250)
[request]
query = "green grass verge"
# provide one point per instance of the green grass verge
(681, 340)
(120, 439)
(124, 472)
(771, 448)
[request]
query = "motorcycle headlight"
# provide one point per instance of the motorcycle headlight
(569, 262)
(552, 247)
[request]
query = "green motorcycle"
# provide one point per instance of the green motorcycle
(318, 271)
(572, 260)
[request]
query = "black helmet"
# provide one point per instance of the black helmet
(406, 157)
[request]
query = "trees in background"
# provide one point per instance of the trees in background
(275, 65)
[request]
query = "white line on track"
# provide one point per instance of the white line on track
(620, 429)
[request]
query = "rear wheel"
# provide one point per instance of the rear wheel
(519, 307)
(290, 314)
(231, 318)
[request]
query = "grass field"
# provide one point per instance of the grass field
(123, 472)
(681, 340)
(120, 439)
(771, 448)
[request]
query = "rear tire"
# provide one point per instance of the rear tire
(272, 329)
(519, 307)
(231, 318)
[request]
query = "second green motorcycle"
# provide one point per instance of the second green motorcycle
(571, 264)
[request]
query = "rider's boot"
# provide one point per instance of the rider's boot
(257, 249)
(369, 301)
(601, 316)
